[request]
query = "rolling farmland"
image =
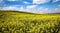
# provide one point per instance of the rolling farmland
(21, 22)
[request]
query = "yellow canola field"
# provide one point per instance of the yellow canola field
(18, 22)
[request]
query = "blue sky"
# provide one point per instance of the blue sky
(35, 6)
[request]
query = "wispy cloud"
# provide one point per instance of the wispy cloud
(40, 1)
(9, 8)
(34, 7)
(55, 0)
(14, 7)
(31, 6)
(13, 0)
(59, 5)
(1, 1)
(57, 10)
(25, 2)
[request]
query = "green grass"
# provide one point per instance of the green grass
(24, 22)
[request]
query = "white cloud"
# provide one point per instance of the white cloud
(1, 1)
(9, 8)
(59, 5)
(57, 10)
(13, 8)
(47, 10)
(21, 9)
(13, 0)
(26, 2)
(40, 1)
(43, 10)
(55, 0)
(33, 9)
(31, 6)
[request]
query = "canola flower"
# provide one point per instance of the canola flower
(16, 22)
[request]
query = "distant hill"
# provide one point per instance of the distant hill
(25, 12)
